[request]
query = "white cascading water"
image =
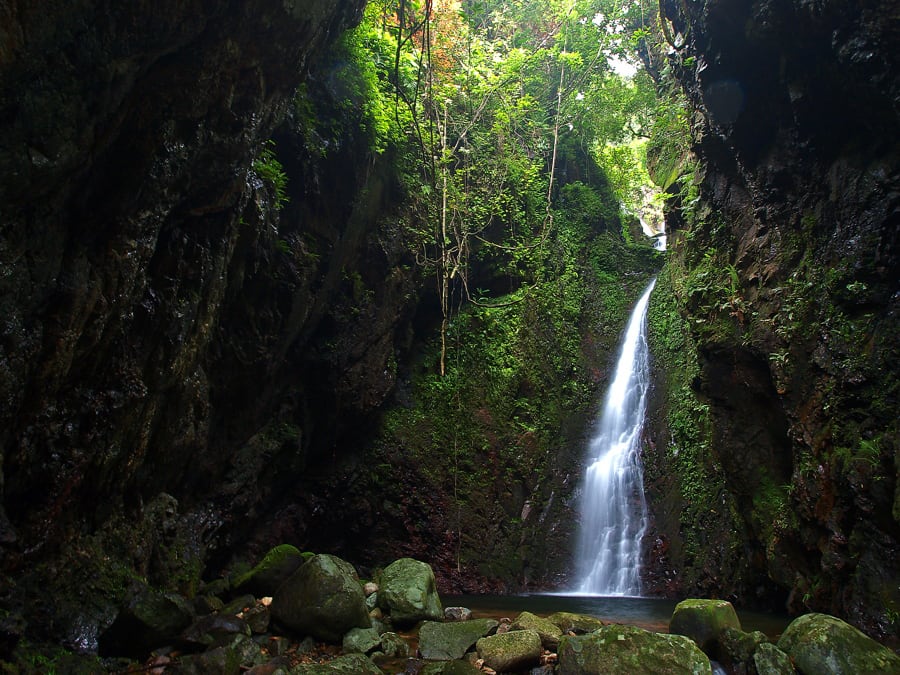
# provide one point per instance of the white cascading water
(613, 507)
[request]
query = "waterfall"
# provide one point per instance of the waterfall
(613, 508)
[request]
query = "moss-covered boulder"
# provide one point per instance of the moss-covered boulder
(819, 643)
(272, 571)
(703, 622)
(214, 630)
(407, 591)
(770, 660)
(222, 660)
(550, 633)
(152, 618)
(569, 622)
(361, 641)
(627, 649)
(349, 664)
(450, 668)
(447, 641)
(392, 645)
(511, 651)
(737, 648)
(322, 599)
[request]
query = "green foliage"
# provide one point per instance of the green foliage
(272, 172)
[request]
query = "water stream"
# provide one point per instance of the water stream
(613, 507)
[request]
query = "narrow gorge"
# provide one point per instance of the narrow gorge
(351, 277)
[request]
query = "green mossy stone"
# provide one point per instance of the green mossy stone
(408, 592)
(736, 648)
(447, 641)
(511, 651)
(392, 645)
(349, 664)
(272, 571)
(151, 619)
(450, 668)
(770, 660)
(703, 621)
(628, 649)
(360, 640)
(322, 599)
(819, 643)
(579, 624)
(550, 633)
(221, 660)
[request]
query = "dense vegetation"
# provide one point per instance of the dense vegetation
(520, 155)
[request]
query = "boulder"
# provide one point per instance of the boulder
(323, 599)
(457, 613)
(214, 630)
(575, 623)
(221, 660)
(450, 668)
(703, 622)
(511, 651)
(151, 619)
(770, 660)
(407, 591)
(360, 641)
(392, 645)
(736, 649)
(628, 649)
(272, 571)
(349, 664)
(448, 641)
(819, 643)
(550, 633)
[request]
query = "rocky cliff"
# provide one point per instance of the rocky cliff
(174, 336)
(785, 278)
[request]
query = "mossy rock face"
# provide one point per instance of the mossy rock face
(579, 624)
(407, 591)
(703, 622)
(272, 571)
(819, 643)
(512, 651)
(349, 664)
(627, 649)
(447, 641)
(550, 633)
(322, 599)
(770, 660)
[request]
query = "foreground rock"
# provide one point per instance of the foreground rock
(151, 619)
(323, 599)
(568, 622)
(819, 643)
(272, 571)
(351, 664)
(448, 641)
(703, 621)
(511, 651)
(628, 649)
(550, 633)
(407, 591)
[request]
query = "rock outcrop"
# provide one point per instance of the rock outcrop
(786, 270)
(175, 339)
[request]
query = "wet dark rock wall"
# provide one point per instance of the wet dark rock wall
(173, 347)
(789, 273)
